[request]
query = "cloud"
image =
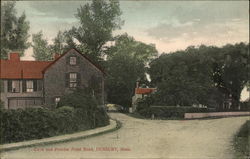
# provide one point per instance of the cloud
(207, 11)
(59, 9)
(192, 29)
(201, 19)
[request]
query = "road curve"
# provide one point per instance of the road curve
(165, 139)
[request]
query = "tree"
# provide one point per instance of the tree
(14, 30)
(41, 49)
(234, 70)
(97, 22)
(182, 78)
(125, 44)
(123, 72)
(63, 42)
(126, 63)
(204, 75)
(58, 43)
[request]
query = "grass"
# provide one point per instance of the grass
(242, 142)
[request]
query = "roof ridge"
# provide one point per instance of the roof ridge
(87, 58)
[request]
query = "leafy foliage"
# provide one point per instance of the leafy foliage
(27, 124)
(14, 30)
(126, 64)
(146, 107)
(58, 45)
(76, 112)
(123, 71)
(80, 98)
(170, 112)
(41, 48)
(241, 141)
(205, 75)
(97, 21)
(125, 44)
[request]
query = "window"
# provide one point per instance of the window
(29, 86)
(72, 60)
(14, 86)
(57, 100)
(1, 85)
(72, 80)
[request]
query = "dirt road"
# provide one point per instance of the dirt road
(166, 139)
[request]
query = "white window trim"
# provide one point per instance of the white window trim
(72, 80)
(29, 86)
(13, 86)
(72, 60)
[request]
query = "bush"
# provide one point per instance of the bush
(245, 106)
(244, 130)
(81, 113)
(144, 103)
(163, 112)
(145, 108)
(241, 141)
(19, 125)
(79, 99)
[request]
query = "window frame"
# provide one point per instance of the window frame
(11, 85)
(74, 61)
(72, 84)
(34, 87)
(29, 90)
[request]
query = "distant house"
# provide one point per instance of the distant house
(140, 93)
(43, 83)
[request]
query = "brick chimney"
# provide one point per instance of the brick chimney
(56, 56)
(14, 56)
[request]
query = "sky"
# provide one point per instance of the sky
(170, 25)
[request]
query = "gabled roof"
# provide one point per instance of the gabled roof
(14, 68)
(91, 62)
(144, 90)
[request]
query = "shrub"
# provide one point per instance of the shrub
(144, 103)
(169, 111)
(241, 141)
(145, 108)
(79, 99)
(245, 106)
(76, 111)
(35, 123)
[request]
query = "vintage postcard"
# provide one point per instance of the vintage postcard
(124, 79)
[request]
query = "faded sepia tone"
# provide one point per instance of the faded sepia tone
(122, 79)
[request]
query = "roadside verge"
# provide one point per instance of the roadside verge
(114, 125)
(214, 114)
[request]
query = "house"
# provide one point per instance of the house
(140, 93)
(43, 83)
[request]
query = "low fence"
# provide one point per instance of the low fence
(213, 114)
